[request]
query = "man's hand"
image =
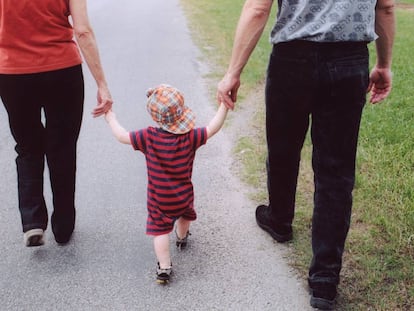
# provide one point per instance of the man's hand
(380, 84)
(227, 91)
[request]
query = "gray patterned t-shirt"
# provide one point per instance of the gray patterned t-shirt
(325, 20)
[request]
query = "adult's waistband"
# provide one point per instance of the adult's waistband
(305, 44)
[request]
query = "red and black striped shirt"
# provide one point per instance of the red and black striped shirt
(169, 159)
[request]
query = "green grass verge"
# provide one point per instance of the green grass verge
(378, 271)
(213, 25)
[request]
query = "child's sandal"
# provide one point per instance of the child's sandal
(182, 242)
(163, 275)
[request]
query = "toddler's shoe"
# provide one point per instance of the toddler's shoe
(163, 275)
(33, 237)
(182, 242)
(279, 232)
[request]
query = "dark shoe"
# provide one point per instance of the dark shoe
(63, 226)
(63, 239)
(280, 232)
(33, 237)
(163, 275)
(182, 242)
(323, 296)
(63, 232)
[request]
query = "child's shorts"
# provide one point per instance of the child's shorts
(159, 223)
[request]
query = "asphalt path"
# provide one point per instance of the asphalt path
(109, 264)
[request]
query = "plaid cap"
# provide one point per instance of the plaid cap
(166, 106)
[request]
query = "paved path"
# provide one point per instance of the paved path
(109, 264)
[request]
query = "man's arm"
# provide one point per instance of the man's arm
(249, 29)
(381, 77)
(217, 122)
(85, 38)
(119, 132)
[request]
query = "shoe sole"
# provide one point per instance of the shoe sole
(322, 304)
(278, 237)
(33, 238)
(64, 241)
(162, 281)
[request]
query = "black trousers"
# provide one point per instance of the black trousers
(60, 94)
(321, 86)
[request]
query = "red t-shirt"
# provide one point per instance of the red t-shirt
(170, 159)
(36, 36)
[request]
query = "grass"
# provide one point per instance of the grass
(213, 24)
(378, 272)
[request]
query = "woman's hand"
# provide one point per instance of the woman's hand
(104, 102)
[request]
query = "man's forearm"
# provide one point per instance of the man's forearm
(385, 28)
(248, 32)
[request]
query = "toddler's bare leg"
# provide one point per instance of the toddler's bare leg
(162, 250)
(183, 226)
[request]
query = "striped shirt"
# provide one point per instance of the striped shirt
(169, 159)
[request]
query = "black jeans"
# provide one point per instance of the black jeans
(323, 84)
(60, 94)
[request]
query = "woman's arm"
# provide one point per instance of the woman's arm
(85, 38)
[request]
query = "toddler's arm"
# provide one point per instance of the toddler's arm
(217, 122)
(119, 132)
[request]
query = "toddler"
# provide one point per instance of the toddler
(169, 151)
